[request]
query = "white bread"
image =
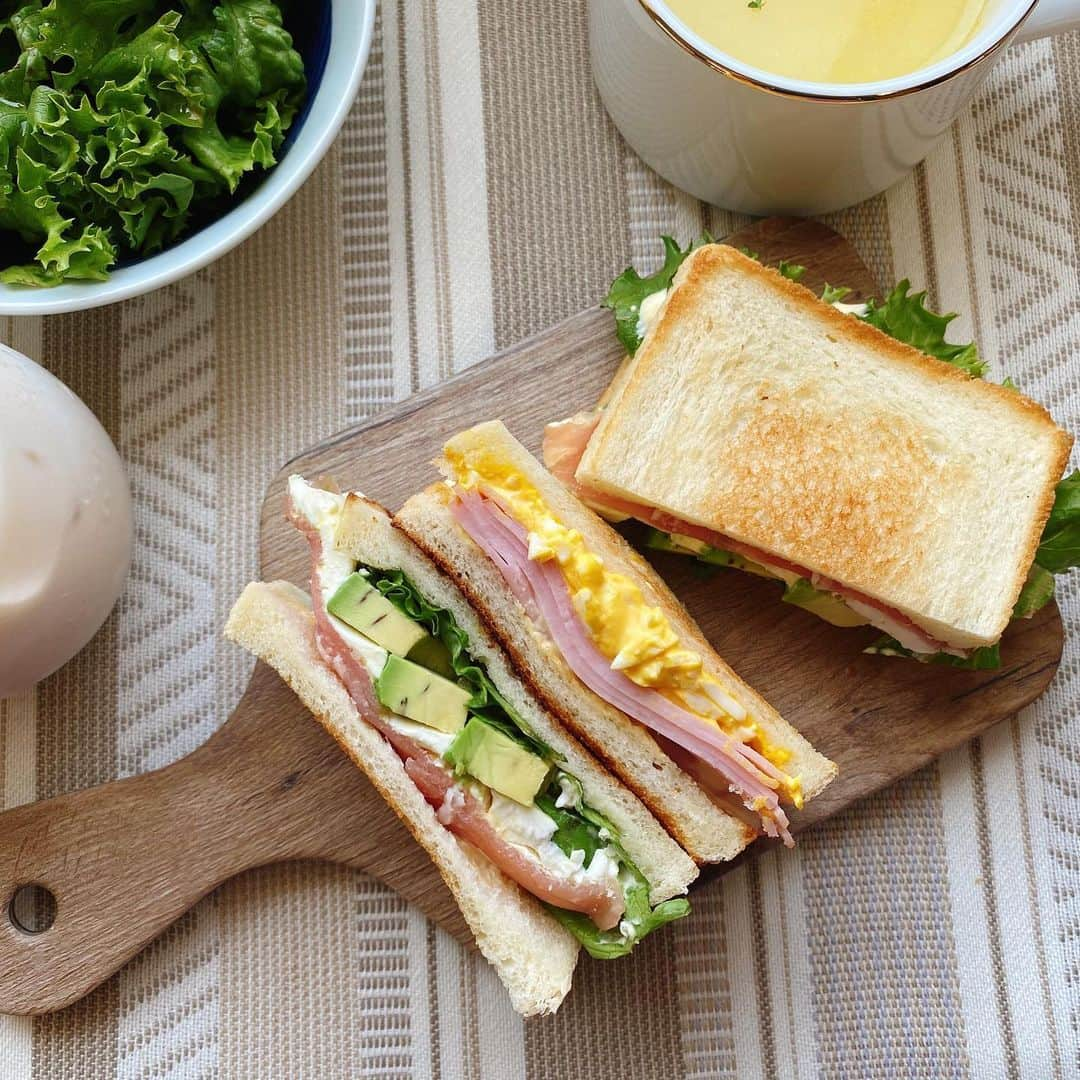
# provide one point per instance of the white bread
(759, 412)
(532, 954)
(707, 832)
(366, 535)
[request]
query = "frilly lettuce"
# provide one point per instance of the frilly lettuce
(790, 270)
(640, 918)
(124, 123)
(1059, 549)
(833, 294)
(1037, 592)
(584, 829)
(904, 316)
(630, 288)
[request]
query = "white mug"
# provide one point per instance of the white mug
(744, 139)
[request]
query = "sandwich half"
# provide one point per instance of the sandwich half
(788, 436)
(542, 849)
(608, 649)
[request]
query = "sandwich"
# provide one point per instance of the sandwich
(605, 646)
(847, 450)
(542, 849)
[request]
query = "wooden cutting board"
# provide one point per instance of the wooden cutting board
(126, 859)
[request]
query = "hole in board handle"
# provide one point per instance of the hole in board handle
(32, 909)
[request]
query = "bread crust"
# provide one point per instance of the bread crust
(532, 954)
(844, 517)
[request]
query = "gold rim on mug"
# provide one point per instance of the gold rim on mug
(840, 99)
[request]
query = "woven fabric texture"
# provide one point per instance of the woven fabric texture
(478, 194)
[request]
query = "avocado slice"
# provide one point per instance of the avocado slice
(358, 603)
(419, 694)
(498, 761)
(714, 556)
(431, 653)
(658, 540)
(822, 604)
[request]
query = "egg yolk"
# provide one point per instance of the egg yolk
(635, 636)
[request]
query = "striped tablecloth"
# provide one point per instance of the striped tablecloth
(478, 194)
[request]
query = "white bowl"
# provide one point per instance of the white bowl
(351, 25)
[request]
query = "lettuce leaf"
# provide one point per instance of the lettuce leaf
(906, 318)
(1059, 549)
(639, 915)
(487, 702)
(126, 123)
(986, 658)
(1037, 592)
(584, 829)
(833, 294)
(792, 271)
(630, 288)
(578, 828)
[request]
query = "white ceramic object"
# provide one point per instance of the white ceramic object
(65, 523)
(747, 140)
(352, 24)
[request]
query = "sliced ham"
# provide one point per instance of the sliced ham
(713, 784)
(505, 541)
(341, 659)
(568, 441)
(457, 809)
(564, 443)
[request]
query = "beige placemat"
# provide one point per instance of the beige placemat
(479, 194)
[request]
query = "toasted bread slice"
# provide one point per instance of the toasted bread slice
(533, 955)
(708, 833)
(757, 411)
(366, 535)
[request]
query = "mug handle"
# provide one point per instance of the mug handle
(1050, 17)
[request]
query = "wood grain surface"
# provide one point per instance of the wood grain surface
(126, 859)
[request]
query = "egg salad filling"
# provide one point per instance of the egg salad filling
(434, 692)
(634, 636)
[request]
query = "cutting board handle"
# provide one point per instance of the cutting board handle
(122, 861)
(126, 859)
